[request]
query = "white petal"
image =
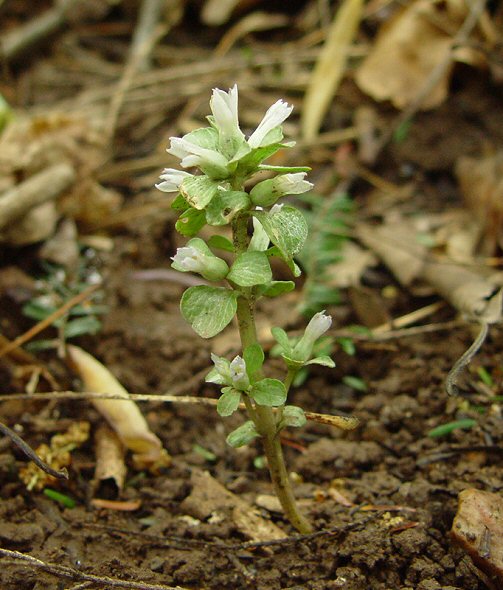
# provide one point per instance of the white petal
(172, 179)
(275, 115)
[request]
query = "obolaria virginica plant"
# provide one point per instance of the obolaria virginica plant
(261, 229)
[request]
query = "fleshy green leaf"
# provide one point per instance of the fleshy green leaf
(225, 205)
(269, 392)
(355, 383)
(198, 190)
(249, 162)
(208, 309)
(221, 242)
(242, 435)
(293, 416)
(276, 288)
(286, 228)
(285, 169)
(228, 402)
(281, 338)
(81, 326)
(254, 358)
(205, 137)
(326, 361)
(249, 269)
(180, 203)
(190, 222)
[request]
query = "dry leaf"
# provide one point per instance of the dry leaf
(109, 457)
(330, 66)
(481, 182)
(408, 48)
(124, 416)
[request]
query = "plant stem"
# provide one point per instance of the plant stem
(263, 416)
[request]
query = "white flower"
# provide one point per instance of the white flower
(192, 154)
(221, 373)
(274, 116)
(190, 259)
(318, 325)
(171, 180)
(239, 375)
(276, 208)
(292, 184)
(269, 191)
(224, 106)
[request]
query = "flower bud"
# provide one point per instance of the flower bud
(268, 191)
(211, 162)
(197, 257)
(224, 106)
(171, 180)
(318, 325)
(239, 375)
(221, 372)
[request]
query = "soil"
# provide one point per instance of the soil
(382, 498)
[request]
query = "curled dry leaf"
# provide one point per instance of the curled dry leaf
(110, 453)
(123, 416)
(407, 50)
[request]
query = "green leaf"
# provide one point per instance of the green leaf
(281, 338)
(249, 269)
(225, 205)
(190, 222)
(242, 435)
(286, 228)
(254, 358)
(179, 203)
(284, 169)
(269, 392)
(198, 190)
(275, 288)
(208, 309)
(221, 242)
(355, 383)
(347, 345)
(62, 499)
(445, 429)
(205, 137)
(81, 326)
(249, 162)
(228, 402)
(293, 416)
(325, 361)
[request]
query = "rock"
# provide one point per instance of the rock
(478, 529)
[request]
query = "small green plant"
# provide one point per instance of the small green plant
(53, 290)
(261, 229)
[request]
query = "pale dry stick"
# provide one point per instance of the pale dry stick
(64, 571)
(409, 318)
(343, 422)
(461, 37)
(39, 188)
(401, 333)
(465, 359)
(23, 38)
(32, 332)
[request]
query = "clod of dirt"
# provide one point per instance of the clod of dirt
(209, 498)
(478, 529)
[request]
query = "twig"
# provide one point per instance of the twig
(37, 189)
(64, 571)
(30, 453)
(343, 422)
(14, 44)
(20, 340)
(465, 359)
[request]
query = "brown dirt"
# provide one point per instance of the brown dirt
(401, 485)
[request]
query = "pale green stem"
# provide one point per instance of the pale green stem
(263, 416)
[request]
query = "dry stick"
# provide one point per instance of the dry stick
(436, 74)
(20, 340)
(465, 359)
(30, 453)
(14, 44)
(64, 571)
(343, 422)
(34, 191)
